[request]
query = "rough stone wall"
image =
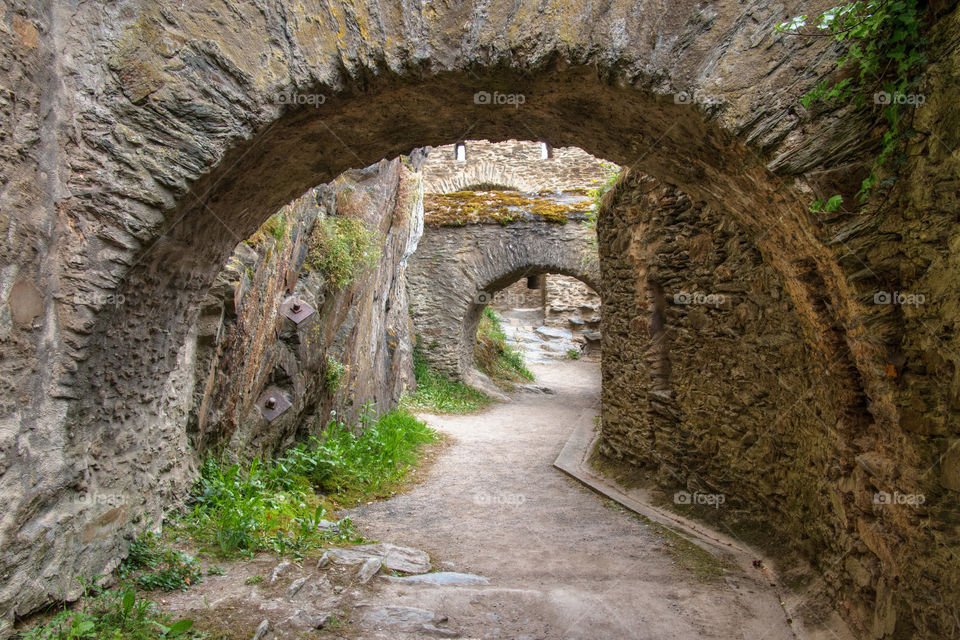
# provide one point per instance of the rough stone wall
(240, 345)
(248, 345)
(570, 304)
(712, 385)
(457, 271)
(708, 379)
(520, 296)
(513, 163)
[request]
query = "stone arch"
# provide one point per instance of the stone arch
(181, 132)
(456, 271)
(483, 173)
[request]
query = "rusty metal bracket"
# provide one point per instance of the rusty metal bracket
(272, 403)
(296, 309)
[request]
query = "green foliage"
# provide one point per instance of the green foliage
(438, 394)
(279, 505)
(334, 374)
(153, 564)
(830, 205)
(488, 186)
(111, 615)
(884, 42)
(502, 363)
(598, 193)
(573, 354)
(342, 249)
(277, 226)
(251, 580)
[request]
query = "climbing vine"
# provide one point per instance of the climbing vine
(885, 44)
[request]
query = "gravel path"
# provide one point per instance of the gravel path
(561, 563)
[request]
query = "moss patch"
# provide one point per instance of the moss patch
(342, 249)
(502, 207)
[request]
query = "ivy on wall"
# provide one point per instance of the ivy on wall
(885, 45)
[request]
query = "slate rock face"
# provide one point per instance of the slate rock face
(142, 141)
(248, 344)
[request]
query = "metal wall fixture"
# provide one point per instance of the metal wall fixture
(296, 309)
(272, 403)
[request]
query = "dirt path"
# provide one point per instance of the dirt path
(560, 563)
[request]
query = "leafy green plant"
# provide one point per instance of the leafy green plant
(342, 248)
(334, 374)
(251, 580)
(281, 505)
(153, 564)
(573, 354)
(884, 42)
(437, 393)
(829, 205)
(111, 615)
(501, 362)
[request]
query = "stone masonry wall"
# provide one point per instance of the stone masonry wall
(570, 304)
(513, 163)
(712, 387)
(457, 270)
(714, 384)
(240, 345)
(520, 296)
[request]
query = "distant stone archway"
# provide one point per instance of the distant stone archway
(456, 272)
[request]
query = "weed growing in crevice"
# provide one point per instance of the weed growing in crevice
(342, 249)
(334, 374)
(277, 227)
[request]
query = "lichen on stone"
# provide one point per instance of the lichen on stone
(503, 207)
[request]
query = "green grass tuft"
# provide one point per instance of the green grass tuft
(277, 227)
(501, 362)
(153, 564)
(438, 394)
(342, 249)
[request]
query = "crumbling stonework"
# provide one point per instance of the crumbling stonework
(570, 304)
